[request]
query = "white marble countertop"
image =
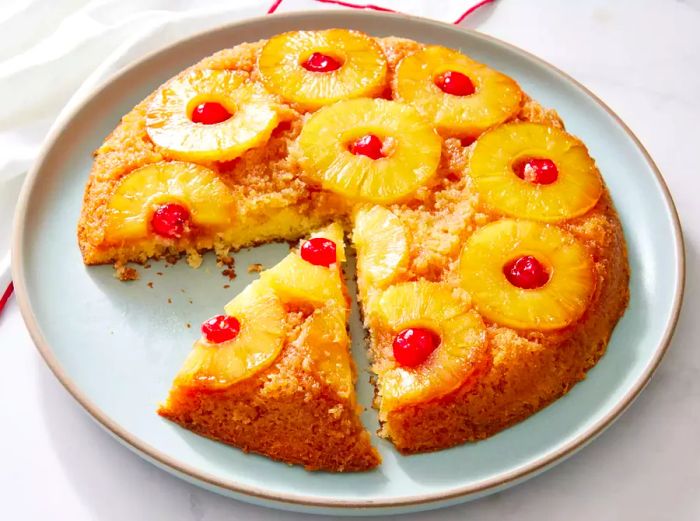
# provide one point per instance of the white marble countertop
(640, 56)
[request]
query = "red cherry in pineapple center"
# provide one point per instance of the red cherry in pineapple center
(319, 251)
(455, 83)
(536, 170)
(319, 62)
(369, 145)
(221, 328)
(170, 220)
(526, 272)
(412, 346)
(210, 113)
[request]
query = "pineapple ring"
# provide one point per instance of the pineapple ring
(497, 97)
(412, 162)
(381, 243)
(462, 348)
(557, 304)
(576, 190)
(324, 337)
(362, 72)
(257, 345)
(300, 282)
(142, 191)
(168, 123)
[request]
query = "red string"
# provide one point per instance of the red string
(274, 6)
(357, 6)
(6, 296)
(471, 10)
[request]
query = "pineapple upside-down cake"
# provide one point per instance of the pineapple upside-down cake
(491, 264)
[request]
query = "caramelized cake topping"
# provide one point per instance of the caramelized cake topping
(534, 171)
(314, 68)
(527, 275)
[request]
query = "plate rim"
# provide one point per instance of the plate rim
(196, 475)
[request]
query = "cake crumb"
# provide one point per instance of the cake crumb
(188, 325)
(170, 301)
(125, 273)
(255, 268)
(226, 286)
(230, 273)
(150, 284)
(225, 260)
(194, 259)
(159, 273)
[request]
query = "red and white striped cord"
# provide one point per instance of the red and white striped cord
(6, 287)
(373, 7)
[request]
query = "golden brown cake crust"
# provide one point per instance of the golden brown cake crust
(286, 412)
(526, 371)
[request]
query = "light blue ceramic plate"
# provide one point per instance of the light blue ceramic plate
(116, 346)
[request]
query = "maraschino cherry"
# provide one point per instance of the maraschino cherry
(221, 328)
(319, 251)
(170, 220)
(412, 346)
(455, 83)
(210, 113)
(369, 145)
(319, 62)
(526, 272)
(540, 171)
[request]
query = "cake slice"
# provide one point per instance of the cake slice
(273, 375)
(479, 317)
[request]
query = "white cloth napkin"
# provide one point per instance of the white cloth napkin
(53, 53)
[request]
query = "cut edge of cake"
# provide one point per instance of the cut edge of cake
(283, 386)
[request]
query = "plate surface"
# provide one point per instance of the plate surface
(116, 346)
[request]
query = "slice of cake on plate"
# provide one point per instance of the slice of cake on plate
(273, 375)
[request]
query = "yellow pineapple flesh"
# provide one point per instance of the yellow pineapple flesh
(412, 149)
(381, 243)
(462, 349)
(577, 187)
(142, 191)
(324, 337)
(497, 98)
(362, 70)
(261, 312)
(299, 282)
(558, 303)
(253, 112)
(257, 345)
